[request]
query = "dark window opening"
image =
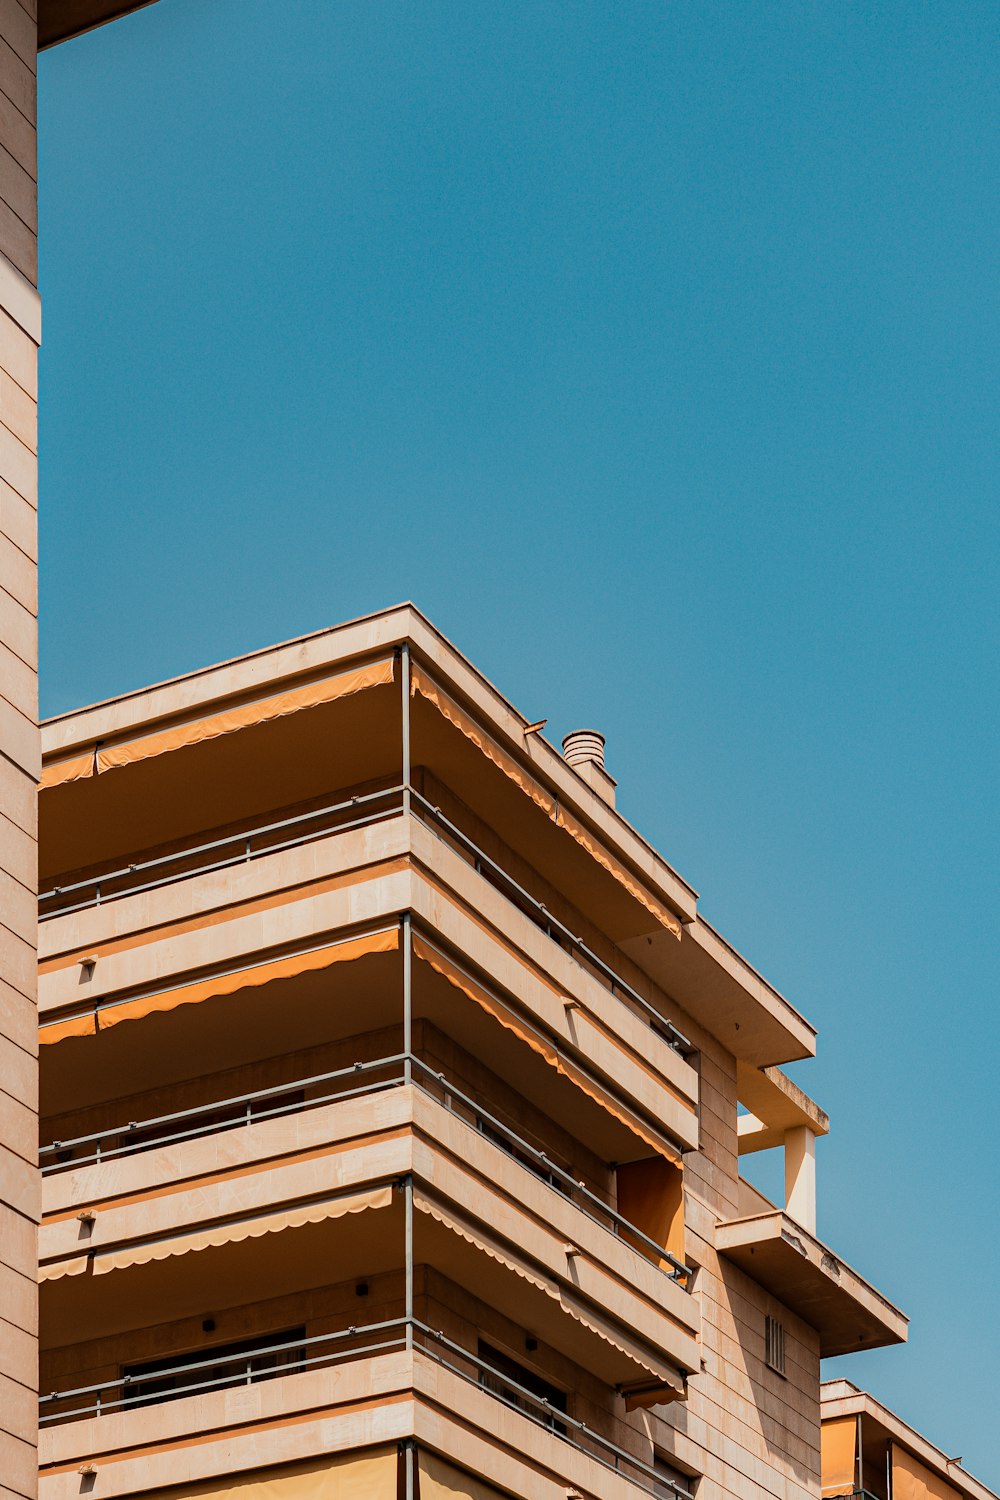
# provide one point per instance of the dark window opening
(506, 1370)
(672, 1483)
(207, 1121)
(526, 1158)
(241, 1363)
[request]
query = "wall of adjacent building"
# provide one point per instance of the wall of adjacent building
(20, 333)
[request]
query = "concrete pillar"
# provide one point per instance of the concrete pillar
(800, 1177)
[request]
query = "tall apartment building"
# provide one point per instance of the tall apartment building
(25, 27)
(390, 1089)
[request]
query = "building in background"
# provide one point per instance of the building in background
(870, 1454)
(25, 26)
(389, 1094)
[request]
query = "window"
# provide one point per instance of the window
(774, 1345)
(240, 1363)
(207, 1121)
(500, 1138)
(497, 1380)
(671, 1483)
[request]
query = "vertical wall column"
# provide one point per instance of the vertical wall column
(20, 334)
(800, 1176)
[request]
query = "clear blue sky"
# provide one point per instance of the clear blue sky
(652, 350)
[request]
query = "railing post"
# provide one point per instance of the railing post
(409, 1262)
(404, 687)
(406, 939)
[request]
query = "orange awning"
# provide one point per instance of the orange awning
(206, 727)
(586, 841)
(839, 1455)
(526, 1033)
(446, 705)
(75, 1266)
(70, 768)
(645, 1396)
(240, 1229)
(442, 1481)
(384, 941)
(912, 1480)
(480, 1237)
(505, 1256)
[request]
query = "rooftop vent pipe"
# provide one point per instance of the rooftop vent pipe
(583, 749)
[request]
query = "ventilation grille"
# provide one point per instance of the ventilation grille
(774, 1345)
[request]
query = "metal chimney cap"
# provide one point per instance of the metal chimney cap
(583, 745)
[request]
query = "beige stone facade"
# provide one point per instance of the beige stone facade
(390, 1111)
(19, 750)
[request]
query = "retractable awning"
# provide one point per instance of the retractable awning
(106, 757)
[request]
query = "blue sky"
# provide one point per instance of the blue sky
(652, 350)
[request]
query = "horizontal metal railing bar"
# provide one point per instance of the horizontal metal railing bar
(219, 864)
(550, 1411)
(212, 1364)
(680, 1269)
(675, 1039)
(241, 836)
(488, 988)
(404, 1325)
(216, 1127)
(603, 1210)
(221, 1382)
(233, 1100)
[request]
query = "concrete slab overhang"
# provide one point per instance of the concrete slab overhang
(846, 1311)
(776, 1105)
(59, 20)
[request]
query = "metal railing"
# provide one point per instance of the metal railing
(111, 1395)
(543, 918)
(328, 1349)
(570, 1187)
(144, 1135)
(537, 1409)
(128, 880)
(249, 1109)
(146, 875)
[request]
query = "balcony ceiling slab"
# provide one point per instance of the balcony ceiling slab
(58, 20)
(847, 1312)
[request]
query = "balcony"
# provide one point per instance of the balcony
(255, 839)
(353, 1392)
(431, 1175)
(259, 930)
(134, 1139)
(806, 1277)
(379, 705)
